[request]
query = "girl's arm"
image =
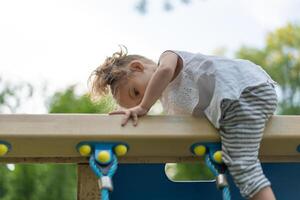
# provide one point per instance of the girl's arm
(163, 75)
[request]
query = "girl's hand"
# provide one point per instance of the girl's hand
(133, 112)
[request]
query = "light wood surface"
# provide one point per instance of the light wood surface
(53, 137)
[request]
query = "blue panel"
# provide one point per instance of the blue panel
(149, 182)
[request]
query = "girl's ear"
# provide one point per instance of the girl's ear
(136, 65)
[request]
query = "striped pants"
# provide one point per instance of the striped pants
(241, 128)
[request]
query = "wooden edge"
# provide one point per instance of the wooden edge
(82, 160)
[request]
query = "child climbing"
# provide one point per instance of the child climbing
(237, 97)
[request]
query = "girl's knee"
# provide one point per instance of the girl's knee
(248, 178)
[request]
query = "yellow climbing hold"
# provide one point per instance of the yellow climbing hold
(3, 149)
(200, 150)
(121, 150)
(85, 150)
(103, 156)
(218, 157)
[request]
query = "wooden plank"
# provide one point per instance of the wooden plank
(265, 159)
(87, 186)
(155, 139)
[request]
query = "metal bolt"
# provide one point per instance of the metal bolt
(221, 181)
(105, 182)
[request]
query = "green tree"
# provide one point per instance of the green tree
(68, 102)
(24, 182)
(4, 180)
(57, 181)
(281, 59)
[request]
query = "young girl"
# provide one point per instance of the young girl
(236, 96)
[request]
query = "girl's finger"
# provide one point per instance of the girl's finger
(135, 119)
(126, 118)
(117, 112)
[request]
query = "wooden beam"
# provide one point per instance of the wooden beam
(36, 137)
(87, 186)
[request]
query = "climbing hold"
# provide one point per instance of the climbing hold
(85, 150)
(200, 150)
(104, 157)
(120, 150)
(3, 149)
(218, 157)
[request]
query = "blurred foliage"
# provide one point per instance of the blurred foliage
(281, 59)
(38, 181)
(188, 172)
(12, 96)
(168, 5)
(68, 102)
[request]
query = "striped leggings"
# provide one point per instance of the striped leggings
(241, 128)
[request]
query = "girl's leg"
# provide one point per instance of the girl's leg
(241, 129)
(264, 194)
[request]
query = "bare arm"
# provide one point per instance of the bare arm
(160, 79)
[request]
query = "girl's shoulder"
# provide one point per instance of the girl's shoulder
(184, 56)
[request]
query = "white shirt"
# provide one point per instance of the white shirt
(205, 80)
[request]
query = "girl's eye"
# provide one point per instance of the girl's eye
(136, 93)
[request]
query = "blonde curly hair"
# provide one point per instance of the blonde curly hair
(105, 78)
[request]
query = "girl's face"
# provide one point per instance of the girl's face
(130, 92)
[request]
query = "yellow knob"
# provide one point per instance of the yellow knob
(104, 156)
(218, 157)
(3, 149)
(85, 150)
(121, 150)
(200, 150)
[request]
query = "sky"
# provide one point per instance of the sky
(60, 42)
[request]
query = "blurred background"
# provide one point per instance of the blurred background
(49, 48)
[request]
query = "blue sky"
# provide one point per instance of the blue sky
(61, 41)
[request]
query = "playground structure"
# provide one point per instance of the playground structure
(155, 141)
